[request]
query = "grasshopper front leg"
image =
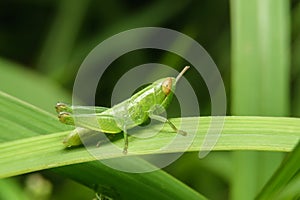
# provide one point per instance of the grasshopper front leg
(165, 120)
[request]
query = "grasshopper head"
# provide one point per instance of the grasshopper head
(168, 86)
(169, 83)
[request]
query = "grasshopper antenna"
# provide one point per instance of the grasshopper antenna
(181, 73)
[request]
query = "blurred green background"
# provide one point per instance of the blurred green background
(42, 44)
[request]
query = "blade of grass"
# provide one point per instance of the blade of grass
(36, 122)
(296, 60)
(288, 169)
(260, 63)
(11, 189)
(20, 82)
(19, 119)
(61, 38)
(260, 48)
(153, 185)
(291, 191)
(47, 151)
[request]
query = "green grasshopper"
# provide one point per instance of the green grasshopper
(147, 103)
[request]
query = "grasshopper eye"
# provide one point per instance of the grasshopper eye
(166, 86)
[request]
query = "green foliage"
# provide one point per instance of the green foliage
(51, 38)
(19, 155)
(260, 63)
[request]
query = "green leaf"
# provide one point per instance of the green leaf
(260, 81)
(30, 86)
(20, 120)
(11, 189)
(27, 121)
(122, 185)
(288, 169)
(62, 36)
(47, 151)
